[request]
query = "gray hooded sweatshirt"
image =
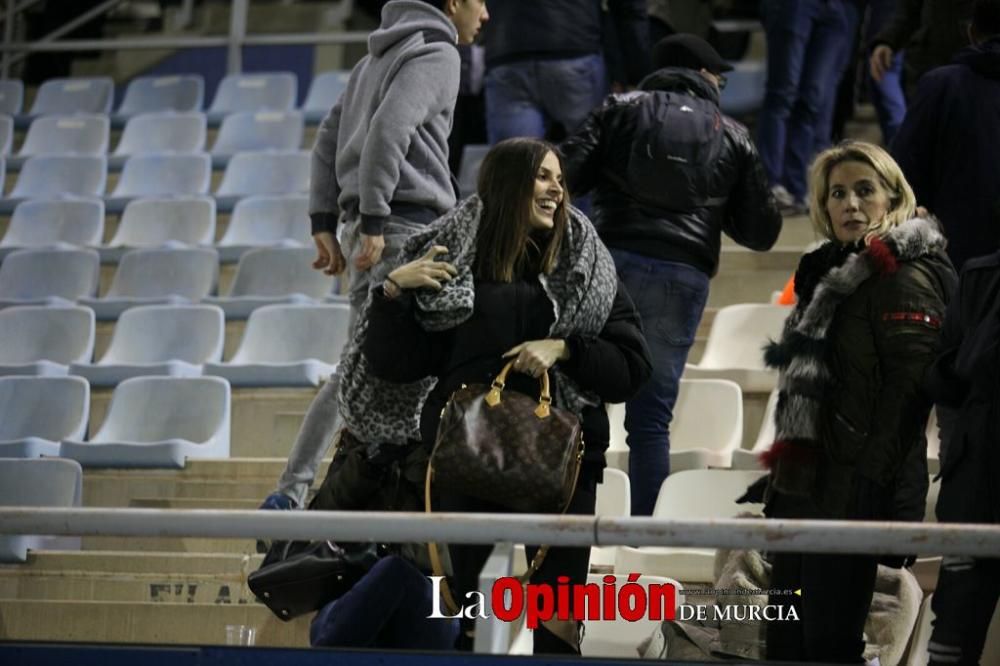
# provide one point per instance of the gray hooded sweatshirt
(384, 144)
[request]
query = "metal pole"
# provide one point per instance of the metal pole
(237, 33)
(8, 37)
(70, 27)
(492, 634)
(17, 10)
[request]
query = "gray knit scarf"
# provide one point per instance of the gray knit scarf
(582, 289)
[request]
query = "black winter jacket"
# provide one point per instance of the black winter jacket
(737, 200)
(614, 365)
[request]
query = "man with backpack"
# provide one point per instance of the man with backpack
(669, 172)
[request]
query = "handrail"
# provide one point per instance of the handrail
(826, 536)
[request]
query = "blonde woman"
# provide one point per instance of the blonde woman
(851, 416)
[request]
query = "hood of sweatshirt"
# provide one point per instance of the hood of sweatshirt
(403, 18)
(982, 58)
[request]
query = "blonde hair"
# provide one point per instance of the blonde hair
(902, 201)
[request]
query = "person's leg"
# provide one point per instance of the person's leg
(570, 89)
(836, 597)
(785, 638)
(963, 604)
(839, 106)
(670, 298)
(512, 104)
(887, 95)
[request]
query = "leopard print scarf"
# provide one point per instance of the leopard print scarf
(582, 289)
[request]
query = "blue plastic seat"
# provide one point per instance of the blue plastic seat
(468, 172)
(11, 96)
(150, 94)
(263, 172)
(262, 221)
(260, 130)
(69, 96)
(28, 277)
(82, 134)
(166, 132)
(37, 413)
(158, 276)
(6, 134)
(54, 176)
(38, 483)
(159, 221)
(43, 340)
(157, 175)
(260, 91)
(324, 92)
(744, 93)
(38, 223)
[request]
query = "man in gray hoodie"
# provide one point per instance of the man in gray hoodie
(380, 168)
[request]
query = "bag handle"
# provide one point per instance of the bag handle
(544, 399)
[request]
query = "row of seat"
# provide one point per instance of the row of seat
(264, 276)
(151, 133)
(256, 221)
(282, 345)
(259, 91)
(160, 174)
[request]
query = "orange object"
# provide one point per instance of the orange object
(788, 293)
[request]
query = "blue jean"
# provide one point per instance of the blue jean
(386, 609)
(524, 98)
(670, 298)
(805, 43)
(886, 95)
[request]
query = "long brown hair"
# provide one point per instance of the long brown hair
(507, 189)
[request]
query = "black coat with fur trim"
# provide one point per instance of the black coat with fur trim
(851, 415)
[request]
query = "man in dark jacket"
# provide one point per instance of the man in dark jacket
(545, 61)
(949, 141)
(964, 380)
(669, 173)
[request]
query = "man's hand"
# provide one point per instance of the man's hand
(329, 257)
(370, 252)
(536, 356)
(881, 61)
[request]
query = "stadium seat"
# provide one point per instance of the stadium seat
(468, 172)
(54, 176)
(37, 413)
(744, 92)
(267, 276)
(160, 175)
(324, 92)
(749, 460)
(38, 483)
(44, 222)
(688, 495)
(27, 276)
(149, 94)
(933, 444)
(6, 135)
(157, 221)
(614, 498)
(258, 130)
(287, 345)
(63, 135)
(621, 638)
(43, 341)
(263, 172)
(158, 276)
(259, 91)
(262, 221)
(11, 96)
(734, 349)
(160, 133)
(69, 96)
(159, 422)
(172, 340)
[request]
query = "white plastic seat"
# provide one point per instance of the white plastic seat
(258, 130)
(6, 134)
(29, 277)
(11, 96)
(287, 345)
(324, 91)
(734, 349)
(159, 422)
(171, 340)
(55, 176)
(148, 94)
(267, 276)
(157, 221)
(263, 172)
(750, 460)
(43, 341)
(71, 95)
(159, 175)
(63, 135)
(614, 498)
(39, 223)
(158, 276)
(694, 494)
(468, 171)
(160, 133)
(266, 221)
(933, 444)
(621, 638)
(258, 91)
(38, 483)
(36, 413)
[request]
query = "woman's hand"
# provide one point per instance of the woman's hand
(536, 356)
(422, 272)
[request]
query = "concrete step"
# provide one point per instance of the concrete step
(153, 623)
(171, 544)
(131, 562)
(193, 503)
(119, 489)
(232, 469)
(796, 231)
